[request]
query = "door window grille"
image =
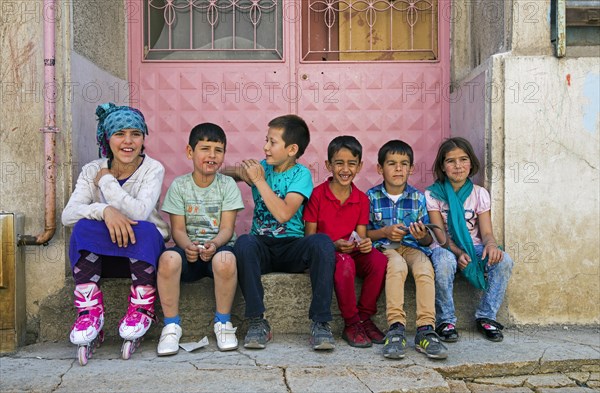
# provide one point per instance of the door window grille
(213, 30)
(369, 30)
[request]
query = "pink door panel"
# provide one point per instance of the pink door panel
(373, 101)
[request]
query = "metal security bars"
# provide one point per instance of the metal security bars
(213, 30)
(369, 30)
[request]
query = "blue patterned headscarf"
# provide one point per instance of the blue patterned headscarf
(112, 118)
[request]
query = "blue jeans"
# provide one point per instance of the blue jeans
(258, 255)
(445, 265)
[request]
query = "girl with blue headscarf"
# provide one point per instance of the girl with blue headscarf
(117, 228)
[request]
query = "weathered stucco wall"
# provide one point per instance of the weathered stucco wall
(100, 33)
(467, 114)
(23, 93)
(534, 121)
(480, 29)
(551, 128)
(82, 84)
(96, 86)
(99, 69)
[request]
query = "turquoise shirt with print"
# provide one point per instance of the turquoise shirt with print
(296, 179)
(202, 206)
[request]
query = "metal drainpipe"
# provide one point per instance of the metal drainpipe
(49, 130)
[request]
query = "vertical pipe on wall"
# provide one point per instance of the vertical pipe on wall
(49, 130)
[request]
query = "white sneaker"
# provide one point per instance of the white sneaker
(225, 333)
(168, 344)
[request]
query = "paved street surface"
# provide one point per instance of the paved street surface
(530, 359)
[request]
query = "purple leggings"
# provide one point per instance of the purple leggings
(92, 267)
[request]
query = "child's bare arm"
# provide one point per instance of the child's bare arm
(281, 209)
(463, 259)
(237, 172)
(435, 217)
(181, 237)
(365, 245)
(490, 249)
(226, 228)
(223, 237)
(310, 228)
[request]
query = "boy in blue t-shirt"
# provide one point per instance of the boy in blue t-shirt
(280, 188)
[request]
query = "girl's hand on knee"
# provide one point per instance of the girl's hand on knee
(119, 226)
(191, 252)
(493, 252)
(463, 260)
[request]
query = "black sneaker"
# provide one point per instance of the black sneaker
(259, 334)
(491, 329)
(320, 336)
(394, 343)
(428, 342)
(447, 332)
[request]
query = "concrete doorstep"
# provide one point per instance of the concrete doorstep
(287, 299)
(530, 359)
(539, 359)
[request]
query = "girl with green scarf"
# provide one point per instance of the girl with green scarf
(455, 203)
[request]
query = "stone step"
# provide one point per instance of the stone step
(287, 298)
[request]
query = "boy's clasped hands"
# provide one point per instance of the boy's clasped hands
(354, 243)
(205, 251)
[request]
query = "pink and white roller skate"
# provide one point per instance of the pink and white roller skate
(87, 330)
(138, 319)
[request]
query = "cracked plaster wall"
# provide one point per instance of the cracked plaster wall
(551, 197)
(91, 65)
(533, 121)
(22, 94)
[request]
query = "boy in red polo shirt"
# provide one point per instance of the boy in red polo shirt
(340, 210)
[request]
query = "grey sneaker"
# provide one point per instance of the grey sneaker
(320, 336)
(394, 343)
(429, 343)
(259, 334)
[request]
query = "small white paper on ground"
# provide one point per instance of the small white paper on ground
(193, 346)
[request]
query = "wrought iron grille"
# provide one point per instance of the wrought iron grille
(369, 30)
(213, 30)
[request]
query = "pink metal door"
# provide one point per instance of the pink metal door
(374, 101)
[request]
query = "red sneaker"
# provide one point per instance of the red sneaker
(373, 332)
(356, 336)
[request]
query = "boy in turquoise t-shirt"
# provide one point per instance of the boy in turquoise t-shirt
(202, 207)
(280, 188)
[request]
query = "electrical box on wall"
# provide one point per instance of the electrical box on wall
(12, 283)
